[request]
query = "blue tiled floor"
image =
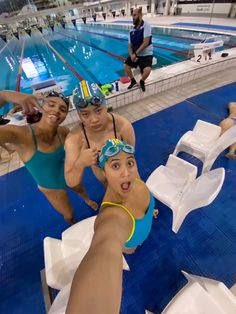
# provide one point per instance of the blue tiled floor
(205, 244)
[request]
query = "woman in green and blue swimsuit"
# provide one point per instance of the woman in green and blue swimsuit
(124, 222)
(41, 148)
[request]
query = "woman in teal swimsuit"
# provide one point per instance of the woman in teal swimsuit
(41, 148)
(124, 222)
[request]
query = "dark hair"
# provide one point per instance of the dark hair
(60, 95)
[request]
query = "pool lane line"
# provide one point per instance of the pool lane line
(20, 66)
(178, 37)
(9, 73)
(94, 78)
(63, 60)
(123, 39)
(95, 47)
(172, 50)
(5, 45)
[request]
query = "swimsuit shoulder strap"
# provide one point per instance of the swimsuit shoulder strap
(59, 138)
(34, 136)
(139, 180)
(114, 125)
(85, 135)
(127, 211)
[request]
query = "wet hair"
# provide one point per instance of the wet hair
(60, 95)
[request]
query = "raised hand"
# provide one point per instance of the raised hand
(31, 103)
(88, 156)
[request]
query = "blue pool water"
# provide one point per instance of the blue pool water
(94, 52)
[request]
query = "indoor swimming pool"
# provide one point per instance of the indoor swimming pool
(91, 52)
(205, 244)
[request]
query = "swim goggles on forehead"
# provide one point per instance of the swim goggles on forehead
(86, 94)
(112, 148)
(56, 94)
(85, 102)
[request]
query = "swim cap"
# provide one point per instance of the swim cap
(85, 94)
(112, 148)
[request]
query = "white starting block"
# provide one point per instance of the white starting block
(46, 86)
(204, 50)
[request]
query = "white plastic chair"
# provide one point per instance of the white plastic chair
(233, 289)
(205, 142)
(177, 187)
(61, 261)
(83, 231)
(62, 257)
(79, 234)
(202, 296)
(227, 139)
(61, 300)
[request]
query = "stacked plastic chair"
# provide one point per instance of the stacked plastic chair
(176, 184)
(202, 295)
(206, 142)
(62, 257)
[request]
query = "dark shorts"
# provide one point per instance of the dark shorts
(143, 62)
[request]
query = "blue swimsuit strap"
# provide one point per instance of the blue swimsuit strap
(35, 137)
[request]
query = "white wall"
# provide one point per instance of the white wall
(139, 3)
(205, 8)
(133, 4)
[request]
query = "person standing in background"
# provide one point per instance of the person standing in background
(140, 49)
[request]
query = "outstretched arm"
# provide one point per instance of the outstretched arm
(10, 134)
(28, 102)
(97, 284)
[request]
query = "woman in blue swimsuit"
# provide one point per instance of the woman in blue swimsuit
(41, 148)
(124, 222)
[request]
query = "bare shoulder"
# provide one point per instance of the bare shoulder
(142, 191)
(122, 123)
(21, 132)
(74, 137)
(63, 131)
(75, 133)
(125, 129)
(120, 120)
(20, 136)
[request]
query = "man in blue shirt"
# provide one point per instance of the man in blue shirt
(140, 49)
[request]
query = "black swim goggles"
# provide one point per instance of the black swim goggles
(83, 103)
(56, 94)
